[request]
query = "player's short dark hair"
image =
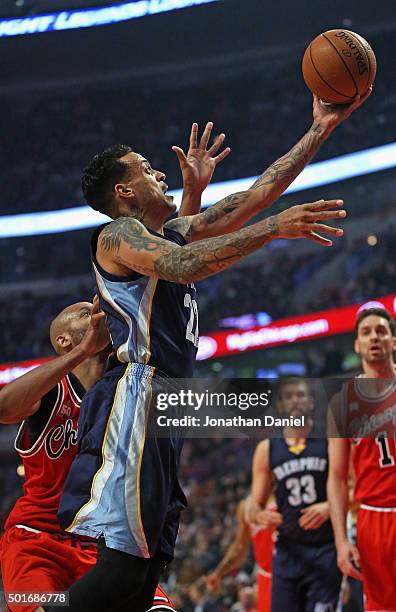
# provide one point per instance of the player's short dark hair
(292, 380)
(101, 174)
(378, 312)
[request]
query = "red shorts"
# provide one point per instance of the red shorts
(376, 541)
(42, 562)
(264, 586)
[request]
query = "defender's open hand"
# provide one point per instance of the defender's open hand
(200, 162)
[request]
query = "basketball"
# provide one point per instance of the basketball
(338, 65)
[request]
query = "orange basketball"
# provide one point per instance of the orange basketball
(338, 65)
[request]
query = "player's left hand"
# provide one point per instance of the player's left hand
(331, 115)
(198, 165)
(314, 516)
(213, 582)
(97, 337)
(268, 519)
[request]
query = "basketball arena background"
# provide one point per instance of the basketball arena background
(80, 75)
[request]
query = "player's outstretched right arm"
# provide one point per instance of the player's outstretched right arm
(21, 397)
(126, 243)
(235, 210)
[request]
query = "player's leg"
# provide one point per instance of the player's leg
(376, 541)
(162, 558)
(115, 576)
(32, 563)
(285, 578)
(144, 599)
(82, 557)
(323, 579)
(264, 588)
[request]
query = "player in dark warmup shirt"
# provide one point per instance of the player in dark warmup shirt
(123, 485)
(305, 577)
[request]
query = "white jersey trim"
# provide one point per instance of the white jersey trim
(123, 349)
(73, 393)
(366, 398)
(36, 446)
(376, 508)
(28, 528)
(158, 598)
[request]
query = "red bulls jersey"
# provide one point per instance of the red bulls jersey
(262, 540)
(371, 419)
(47, 459)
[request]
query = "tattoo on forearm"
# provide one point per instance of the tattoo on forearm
(274, 180)
(181, 225)
(190, 263)
(194, 226)
(285, 169)
(206, 257)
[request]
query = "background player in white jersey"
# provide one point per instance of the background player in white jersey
(364, 414)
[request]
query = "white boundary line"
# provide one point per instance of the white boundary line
(315, 175)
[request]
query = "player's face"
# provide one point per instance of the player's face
(295, 399)
(374, 341)
(145, 187)
(80, 317)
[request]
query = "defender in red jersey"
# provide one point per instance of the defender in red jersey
(365, 414)
(36, 555)
(262, 540)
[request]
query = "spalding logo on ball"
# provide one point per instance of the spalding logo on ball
(338, 65)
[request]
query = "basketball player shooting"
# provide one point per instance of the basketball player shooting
(369, 398)
(36, 555)
(123, 487)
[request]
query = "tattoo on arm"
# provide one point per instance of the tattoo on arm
(191, 227)
(186, 264)
(273, 182)
(181, 224)
(285, 169)
(132, 233)
(201, 259)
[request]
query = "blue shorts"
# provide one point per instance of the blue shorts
(305, 578)
(123, 484)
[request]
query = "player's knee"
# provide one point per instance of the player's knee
(124, 573)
